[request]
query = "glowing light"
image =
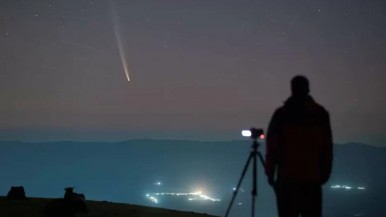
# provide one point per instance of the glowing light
(118, 39)
(262, 136)
(246, 133)
(240, 189)
(151, 198)
(158, 183)
(347, 187)
(192, 196)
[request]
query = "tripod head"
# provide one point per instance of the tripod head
(253, 133)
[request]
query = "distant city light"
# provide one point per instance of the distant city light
(240, 189)
(347, 187)
(152, 199)
(193, 196)
(158, 183)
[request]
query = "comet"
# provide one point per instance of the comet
(118, 39)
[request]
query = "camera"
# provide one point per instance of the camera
(253, 133)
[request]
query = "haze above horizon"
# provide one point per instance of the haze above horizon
(201, 70)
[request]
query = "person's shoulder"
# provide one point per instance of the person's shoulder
(279, 110)
(320, 109)
(279, 113)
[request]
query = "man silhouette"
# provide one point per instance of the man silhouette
(299, 153)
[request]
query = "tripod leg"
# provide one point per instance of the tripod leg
(254, 187)
(254, 191)
(238, 185)
(261, 158)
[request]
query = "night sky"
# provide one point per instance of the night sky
(199, 69)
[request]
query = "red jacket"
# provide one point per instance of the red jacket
(299, 142)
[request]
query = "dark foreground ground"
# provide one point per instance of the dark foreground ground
(33, 207)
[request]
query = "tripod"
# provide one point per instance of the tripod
(252, 157)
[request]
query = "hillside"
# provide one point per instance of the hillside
(128, 171)
(33, 207)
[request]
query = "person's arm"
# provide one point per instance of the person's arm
(327, 154)
(272, 147)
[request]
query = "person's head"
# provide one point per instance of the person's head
(300, 86)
